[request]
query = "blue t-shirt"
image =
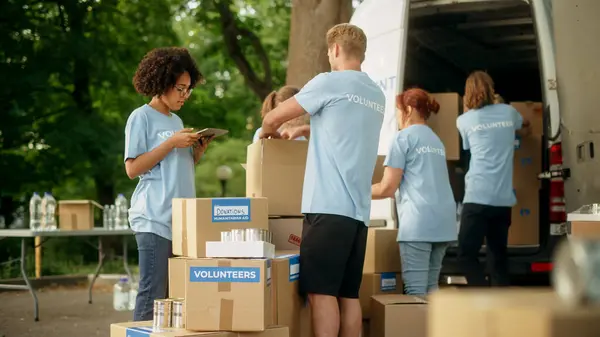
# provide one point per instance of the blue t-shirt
(257, 134)
(425, 202)
(172, 177)
(346, 112)
(489, 133)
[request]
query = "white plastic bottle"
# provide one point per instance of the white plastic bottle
(121, 208)
(35, 212)
(48, 212)
(106, 217)
(133, 291)
(121, 295)
(111, 217)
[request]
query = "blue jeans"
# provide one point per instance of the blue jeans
(421, 265)
(154, 253)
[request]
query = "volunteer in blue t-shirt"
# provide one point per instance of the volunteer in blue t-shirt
(416, 167)
(273, 100)
(488, 131)
(162, 154)
(346, 112)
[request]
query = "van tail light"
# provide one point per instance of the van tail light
(541, 267)
(557, 186)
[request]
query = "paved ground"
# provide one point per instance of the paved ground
(63, 313)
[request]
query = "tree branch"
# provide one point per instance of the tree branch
(231, 34)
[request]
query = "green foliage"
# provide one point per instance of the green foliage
(67, 67)
(232, 153)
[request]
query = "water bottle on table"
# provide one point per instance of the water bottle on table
(111, 217)
(106, 217)
(35, 212)
(48, 212)
(121, 207)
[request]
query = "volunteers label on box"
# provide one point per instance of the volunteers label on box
(231, 210)
(225, 274)
(294, 267)
(388, 281)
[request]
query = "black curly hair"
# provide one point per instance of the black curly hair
(161, 67)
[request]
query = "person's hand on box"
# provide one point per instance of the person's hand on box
(296, 132)
(183, 138)
(266, 134)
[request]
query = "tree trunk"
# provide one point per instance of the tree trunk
(307, 51)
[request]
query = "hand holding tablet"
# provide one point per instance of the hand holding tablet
(211, 133)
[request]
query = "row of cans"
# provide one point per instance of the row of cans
(168, 313)
(247, 234)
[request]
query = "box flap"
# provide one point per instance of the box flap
(79, 202)
(288, 152)
(378, 172)
(397, 299)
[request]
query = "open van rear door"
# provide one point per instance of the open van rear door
(385, 23)
(576, 28)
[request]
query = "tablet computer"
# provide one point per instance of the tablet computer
(211, 132)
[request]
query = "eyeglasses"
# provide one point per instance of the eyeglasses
(184, 92)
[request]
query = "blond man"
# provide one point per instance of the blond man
(346, 112)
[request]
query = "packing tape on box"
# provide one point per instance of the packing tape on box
(226, 310)
(184, 222)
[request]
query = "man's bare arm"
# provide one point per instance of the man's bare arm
(287, 110)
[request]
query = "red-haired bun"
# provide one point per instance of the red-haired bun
(433, 106)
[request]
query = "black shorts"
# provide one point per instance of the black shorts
(332, 255)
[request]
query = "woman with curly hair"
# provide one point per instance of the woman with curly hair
(272, 100)
(162, 153)
(416, 167)
(487, 129)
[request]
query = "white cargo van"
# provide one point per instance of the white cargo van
(435, 44)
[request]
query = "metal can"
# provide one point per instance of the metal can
(576, 274)
(178, 314)
(238, 235)
(253, 234)
(226, 236)
(162, 313)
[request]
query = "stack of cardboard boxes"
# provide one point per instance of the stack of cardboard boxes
(275, 170)
(524, 229)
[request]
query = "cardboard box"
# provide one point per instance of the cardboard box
(228, 295)
(524, 229)
(177, 277)
(584, 222)
(378, 172)
(382, 254)
(393, 313)
(196, 221)
(585, 229)
(275, 170)
(444, 123)
(516, 312)
(77, 214)
(286, 301)
(144, 329)
(376, 284)
(287, 232)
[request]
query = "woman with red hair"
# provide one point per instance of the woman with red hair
(416, 167)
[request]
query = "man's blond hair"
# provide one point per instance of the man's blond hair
(350, 38)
